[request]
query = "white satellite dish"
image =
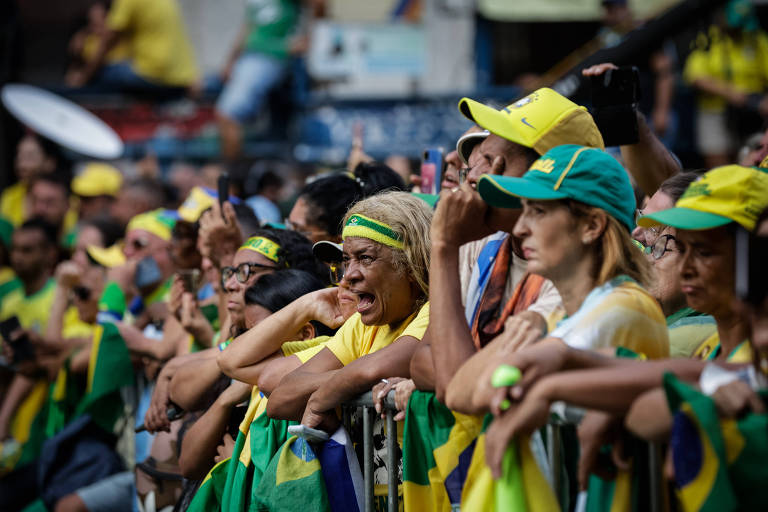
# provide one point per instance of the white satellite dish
(62, 121)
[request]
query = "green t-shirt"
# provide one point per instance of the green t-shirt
(271, 24)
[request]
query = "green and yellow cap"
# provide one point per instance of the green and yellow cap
(588, 175)
(263, 246)
(365, 227)
(542, 120)
(157, 222)
(731, 193)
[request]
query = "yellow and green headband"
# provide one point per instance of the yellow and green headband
(364, 227)
(263, 246)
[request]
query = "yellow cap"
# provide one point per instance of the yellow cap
(732, 193)
(107, 256)
(198, 200)
(97, 179)
(542, 120)
(156, 222)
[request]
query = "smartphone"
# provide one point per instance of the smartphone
(615, 96)
(431, 170)
(22, 348)
(223, 188)
(147, 273)
(751, 276)
(191, 280)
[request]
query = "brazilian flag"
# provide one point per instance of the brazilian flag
(720, 464)
(293, 481)
(258, 439)
(437, 449)
(208, 496)
(522, 486)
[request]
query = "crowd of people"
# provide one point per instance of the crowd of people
(191, 351)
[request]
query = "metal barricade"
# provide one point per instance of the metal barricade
(365, 402)
(562, 415)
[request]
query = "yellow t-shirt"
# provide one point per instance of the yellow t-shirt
(13, 206)
(159, 47)
(33, 311)
(73, 327)
(12, 203)
(355, 339)
(619, 313)
(710, 349)
(304, 349)
(742, 64)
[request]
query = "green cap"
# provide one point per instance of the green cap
(588, 175)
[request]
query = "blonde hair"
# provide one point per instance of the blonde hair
(615, 253)
(409, 217)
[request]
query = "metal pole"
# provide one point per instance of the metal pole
(391, 461)
(368, 458)
(555, 459)
(654, 477)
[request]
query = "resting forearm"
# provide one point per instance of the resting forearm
(290, 398)
(625, 382)
(448, 330)
(201, 441)
(56, 317)
(422, 367)
(192, 380)
(257, 344)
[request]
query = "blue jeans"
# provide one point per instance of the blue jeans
(252, 78)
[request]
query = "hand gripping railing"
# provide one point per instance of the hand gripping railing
(365, 402)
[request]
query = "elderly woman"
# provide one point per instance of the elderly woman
(386, 261)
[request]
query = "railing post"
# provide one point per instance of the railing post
(392, 462)
(555, 459)
(654, 478)
(368, 457)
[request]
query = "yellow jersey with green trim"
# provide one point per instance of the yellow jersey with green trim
(33, 311)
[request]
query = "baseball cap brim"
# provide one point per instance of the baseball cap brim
(492, 120)
(684, 218)
(328, 252)
(467, 143)
(505, 192)
(108, 257)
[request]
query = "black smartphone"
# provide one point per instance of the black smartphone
(223, 189)
(147, 273)
(191, 280)
(751, 273)
(615, 96)
(22, 348)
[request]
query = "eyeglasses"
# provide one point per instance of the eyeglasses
(660, 247)
(242, 272)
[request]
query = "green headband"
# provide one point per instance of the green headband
(263, 246)
(364, 227)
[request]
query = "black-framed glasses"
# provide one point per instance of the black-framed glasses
(242, 272)
(660, 246)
